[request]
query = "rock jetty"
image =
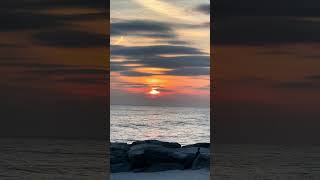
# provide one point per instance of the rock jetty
(153, 155)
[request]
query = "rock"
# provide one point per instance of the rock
(183, 154)
(201, 145)
(120, 146)
(187, 155)
(202, 161)
(119, 153)
(120, 167)
(156, 142)
(147, 155)
(144, 155)
(153, 155)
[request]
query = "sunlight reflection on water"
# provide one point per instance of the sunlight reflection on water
(174, 124)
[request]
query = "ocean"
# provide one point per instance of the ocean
(52, 159)
(63, 159)
(185, 125)
(266, 162)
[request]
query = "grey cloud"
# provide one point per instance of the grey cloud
(173, 42)
(71, 71)
(313, 77)
(267, 8)
(7, 45)
(134, 73)
(265, 30)
(180, 65)
(204, 8)
(125, 27)
(96, 80)
(190, 71)
(17, 20)
(150, 29)
(70, 39)
(116, 66)
(144, 51)
(14, 21)
(298, 85)
(31, 65)
(175, 62)
(40, 5)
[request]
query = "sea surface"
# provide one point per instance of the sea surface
(266, 162)
(185, 125)
(52, 159)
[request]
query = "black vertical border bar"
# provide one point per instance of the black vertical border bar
(108, 91)
(212, 119)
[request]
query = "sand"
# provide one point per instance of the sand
(202, 174)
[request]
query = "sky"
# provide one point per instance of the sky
(267, 71)
(53, 68)
(160, 52)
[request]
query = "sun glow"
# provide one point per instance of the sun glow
(154, 91)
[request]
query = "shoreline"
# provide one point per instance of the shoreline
(203, 174)
(156, 156)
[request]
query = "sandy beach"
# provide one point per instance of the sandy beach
(202, 174)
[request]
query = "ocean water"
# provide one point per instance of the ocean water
(52, 159)
(266, 162)
(185, 125)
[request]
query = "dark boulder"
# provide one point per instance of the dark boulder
(153, 155)
(187, 156)
(202, 161)
(119, 146)
(146, 155)
(119, 153)
(156, 142)
(201, 145)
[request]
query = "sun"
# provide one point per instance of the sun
(154, 91)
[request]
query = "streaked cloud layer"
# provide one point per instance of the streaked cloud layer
(267, 67)
(155, 43)
(53, 67)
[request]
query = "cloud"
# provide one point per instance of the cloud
(17, 15)
(265, 30)
(298, 85)
(173, 42)
(7, 45)
(70, 39)
(190, 71)
(175, 62)
(313, 77)
(168, 9)
(118, 66)
(267, 8)
(43, 4)
(31, 65)
(19, 21)
(144, 51)
(204, 8)
(65, 71)
(81, 80)
(149, 56)
(135, 74)
(134, 26)
(159, 31)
